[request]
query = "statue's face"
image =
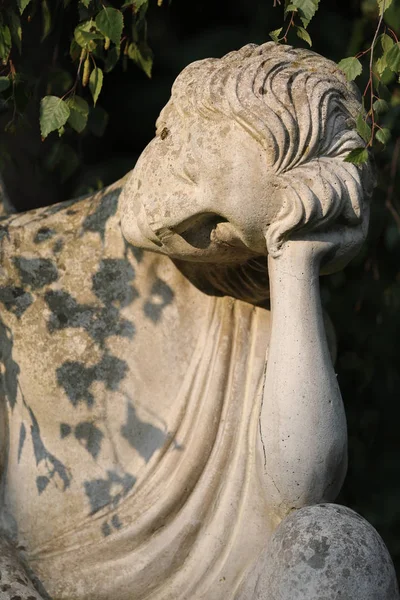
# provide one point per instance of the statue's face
(200, 191)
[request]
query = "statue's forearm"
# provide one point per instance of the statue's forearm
(14, 580)
(302, 421)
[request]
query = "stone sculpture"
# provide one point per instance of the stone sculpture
(149, 448)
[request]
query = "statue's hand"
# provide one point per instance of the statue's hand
(331, 249)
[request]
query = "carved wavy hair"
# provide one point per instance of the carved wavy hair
(301, 109)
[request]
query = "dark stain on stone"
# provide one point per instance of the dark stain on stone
(321, 552)
(142, 436)
(15, 299)
(111, 283)
(91, 437)
(58, 246)
(110, 491)
(99, 322)
(22, 438)
(41, 483)
(138, 253)
(4, 231)
(5, 587)
(43, 455)
(115, 522)
(36, 272)
(161, 296)
(106, 208)
(65, 430)
(75, 378)
(105, 529)
(43, 234)
(10, 372)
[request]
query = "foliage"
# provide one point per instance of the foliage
(103, 36)
(383, 67)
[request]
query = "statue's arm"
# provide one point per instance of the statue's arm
(303, 433)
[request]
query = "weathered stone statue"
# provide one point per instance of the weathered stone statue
(164, 435)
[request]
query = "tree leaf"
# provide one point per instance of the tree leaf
(363, 128)
(54, 113)
(351, 67)
(46, 19)
(86, 32)
(79, 111)
(142, 56)
(290, 8)
(274, 35)
(358, 156)
(380, 106)
(393, 58)
(15, 28)
(383, 5)
(383, 135)
(96, 83)
(303, 35)
(110, 22)
(386, 42)
(4, 83)
(86, 3)
(307, 9)
(5, 43)
(22, 4)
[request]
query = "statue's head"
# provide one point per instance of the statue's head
(249, 150)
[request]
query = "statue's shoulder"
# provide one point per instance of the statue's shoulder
(62, 244)
(51, 226)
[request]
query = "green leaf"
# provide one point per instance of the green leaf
(96, 83)
(4, 83)
(386, 42)
(383, 135)
(380, 64)
(110, 22)
(5, 43)
(303, 35)
(54, 113)
(79, 111)
(393, 58)
(86, 3)
(290, 8)
(380, 106)
(22, 4)
(142, 56)
(15, 28)
(363, 128)
(87, 32)
(274, 35)
(351, 67)
(358, 156)
(46, 19)
(307, 9)
(383, 5)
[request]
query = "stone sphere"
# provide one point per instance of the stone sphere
(326, 552)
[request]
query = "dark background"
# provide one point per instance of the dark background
(363, 301)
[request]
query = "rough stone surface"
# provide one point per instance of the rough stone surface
(155, 426)
(326, 552)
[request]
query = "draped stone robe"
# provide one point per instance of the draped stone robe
(130, 404)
